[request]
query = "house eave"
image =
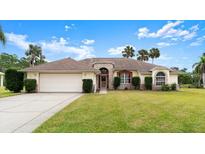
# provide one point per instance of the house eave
(57, 71)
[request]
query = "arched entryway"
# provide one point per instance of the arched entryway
(103, 78)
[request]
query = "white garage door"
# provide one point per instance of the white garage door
(60, 83)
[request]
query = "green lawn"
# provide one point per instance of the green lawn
(6, 93)
(132, 111)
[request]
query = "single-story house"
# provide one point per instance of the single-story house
(1, 79)
(66, 75)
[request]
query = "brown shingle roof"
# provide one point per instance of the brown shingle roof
(71, 65)
(123, 63)
(64, 65)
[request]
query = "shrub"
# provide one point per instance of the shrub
(174, 86)
(87, 85)
(185, 78)
(116, 82)
(136, 82)
(30, 85)
(165, 87)
(14, 80)
(148, 83)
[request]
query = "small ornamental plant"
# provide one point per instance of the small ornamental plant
(136, 82)
(148, 83)
(30, 85)
(87, 85)
(116, 82)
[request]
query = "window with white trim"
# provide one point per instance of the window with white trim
(125, 78)
(160, 78)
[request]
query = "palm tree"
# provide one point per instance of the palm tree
(154, 53)
(128, 52)
(2, 36)
(143, 55)
(200, 68)
(34, 54)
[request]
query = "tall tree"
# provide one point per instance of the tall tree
(34, 54)
(128, 52)
(200, 68)
(11, 61)
(2, 36)
(183, 70)
(154, 53)
(8, 61)
(143, 55)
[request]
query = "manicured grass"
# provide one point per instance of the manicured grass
(132, 111)
(6, 93)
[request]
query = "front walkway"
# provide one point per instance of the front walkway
(24, 113)
(103, 91)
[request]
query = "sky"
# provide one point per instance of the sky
(181, 43)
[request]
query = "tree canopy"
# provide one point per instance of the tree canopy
(143, 55)
(34, 55)
(2, 36)
(11, 61)
(128, 52)
(154, 53)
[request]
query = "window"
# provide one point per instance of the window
(160, 79)
(125, 77)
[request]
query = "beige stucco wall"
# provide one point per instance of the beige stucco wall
(32, 75)
(173, 79)
(135, 73)
(115, 73)
(1, 79)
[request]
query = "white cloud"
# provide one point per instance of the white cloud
(56, 45)
(164, 44)
(88, 42)
(169, 30)
(195, 27)
(68, 27)
(198, 41)
(165, 57)
(166, 29)
(18, 40)
(117, 50)
(62, 45)
(174, 39)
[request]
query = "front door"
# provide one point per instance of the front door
(104, 81)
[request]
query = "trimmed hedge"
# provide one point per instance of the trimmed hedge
(14, 80)
(116, 82)
(174, 86)
(165, 87)
(148, 83)
(87, 85)
(136, 82)
(30, 85)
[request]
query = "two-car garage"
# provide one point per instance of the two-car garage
(60, 82)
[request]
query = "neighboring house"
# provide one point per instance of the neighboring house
(66, 75)
(1, 79)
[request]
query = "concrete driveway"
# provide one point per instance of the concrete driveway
(24, 113)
